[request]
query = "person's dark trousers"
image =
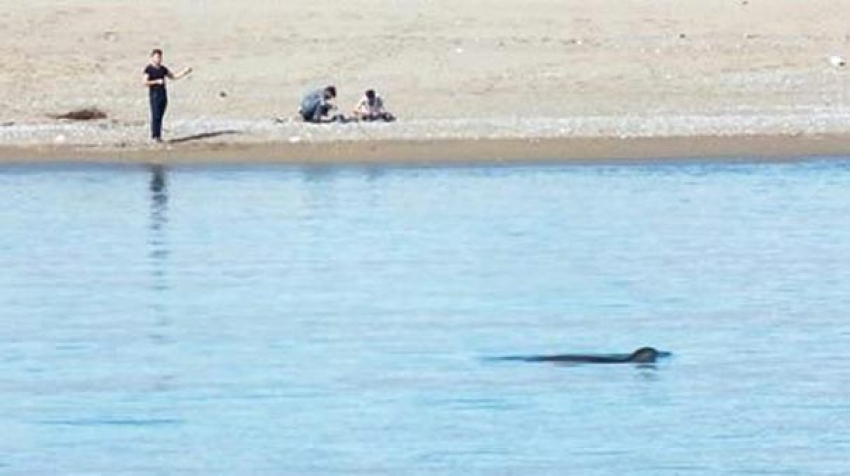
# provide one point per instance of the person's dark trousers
(316, 114)
(384, 116)
(159, 102)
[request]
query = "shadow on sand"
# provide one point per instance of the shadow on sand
(205, 135)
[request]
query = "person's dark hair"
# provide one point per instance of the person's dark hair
(370, 94)
(156, 51)
(330, 91)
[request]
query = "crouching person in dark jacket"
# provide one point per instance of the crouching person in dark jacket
(317, 105)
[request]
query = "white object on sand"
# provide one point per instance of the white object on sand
(836, 61)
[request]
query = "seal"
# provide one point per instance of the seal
(644, 355)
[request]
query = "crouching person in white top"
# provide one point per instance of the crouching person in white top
(371, 108)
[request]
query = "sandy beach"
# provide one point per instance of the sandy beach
(473, 80)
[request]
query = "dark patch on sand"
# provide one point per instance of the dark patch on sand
(86, 114)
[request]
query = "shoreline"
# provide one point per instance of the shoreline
(471, 82)
(448, 151)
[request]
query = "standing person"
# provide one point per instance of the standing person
(316, 105)
(155, 75)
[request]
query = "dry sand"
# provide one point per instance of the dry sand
(494, 79)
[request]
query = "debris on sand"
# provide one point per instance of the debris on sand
(8, 124)
(87, 114)
(837, 61)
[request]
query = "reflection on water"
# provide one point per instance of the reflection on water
(158, 253)
(159, 197)
(158, 219)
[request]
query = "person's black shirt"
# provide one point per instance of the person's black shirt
(154, 74)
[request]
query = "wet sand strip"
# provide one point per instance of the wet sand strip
(754, 148)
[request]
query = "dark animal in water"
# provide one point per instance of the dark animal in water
(644, 355)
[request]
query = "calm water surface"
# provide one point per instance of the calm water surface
(339, 321)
